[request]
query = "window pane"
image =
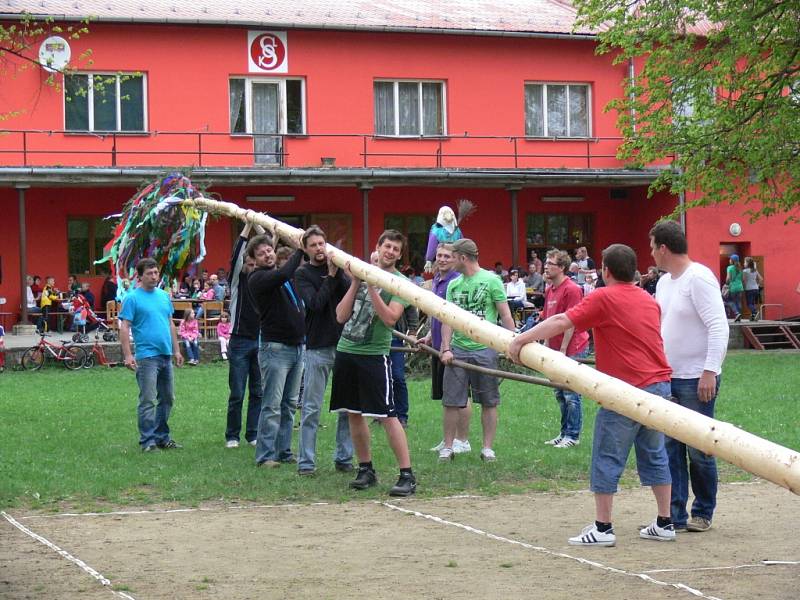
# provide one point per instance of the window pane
(578, 113)
(132, 102)
(432, 113)
(105, 102)
(294, 106)
(408, 108)
(556, 110)
(103, 230)
(557, 230)
(384, 108)
(76, 102)
(237, 106)
(536, 233)
(534, 111)
(78, 245)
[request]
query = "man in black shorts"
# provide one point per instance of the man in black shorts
(362, 374)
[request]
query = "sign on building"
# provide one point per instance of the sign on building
(268, 52)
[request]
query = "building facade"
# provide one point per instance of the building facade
(356, 121)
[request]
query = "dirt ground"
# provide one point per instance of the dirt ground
(516, 548)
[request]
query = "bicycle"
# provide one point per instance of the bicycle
(98, 355)
(33, 359)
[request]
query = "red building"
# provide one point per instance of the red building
(357, 118)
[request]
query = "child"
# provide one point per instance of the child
(224, 333)
(189, 332)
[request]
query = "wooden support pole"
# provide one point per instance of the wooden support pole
(756, 455)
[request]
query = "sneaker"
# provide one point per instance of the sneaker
(591, 536)
(365, 478)
(289, 460)
(253, 443)
(151, 448)
(446, 455)
(344, 467)
(170, 445)
(232, 444)
(405, 486)
(698, 524)
(737, 318)
(661, 534)
(460, 447)
(307, 472)
(567, 442)
(269, 464)
(488, 455)
(554, 441)
(439, 446)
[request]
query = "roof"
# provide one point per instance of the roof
(487, 17)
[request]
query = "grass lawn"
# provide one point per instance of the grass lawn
(69, 440)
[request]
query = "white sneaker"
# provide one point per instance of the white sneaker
(567, 442)
(253, 443)
(446, 455)
(660, 534)
(460, 447)
(488, 455)
(232, 444)
(591, 536)
(438, 447)
(554, 441)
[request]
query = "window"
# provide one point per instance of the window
(562, 231)
(86, 237)
(416, 229)
(556, 110)
(409, 108)
(104, 102)
(267, 106)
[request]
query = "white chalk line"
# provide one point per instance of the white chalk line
(543, 550)
(77, 561)
(759, 565)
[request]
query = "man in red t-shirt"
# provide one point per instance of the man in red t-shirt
(628, 345)
(560, 295)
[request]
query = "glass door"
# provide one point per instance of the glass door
(266, 120)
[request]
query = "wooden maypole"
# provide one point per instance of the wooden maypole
(756, 455)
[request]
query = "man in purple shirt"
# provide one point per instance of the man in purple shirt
(445, 273)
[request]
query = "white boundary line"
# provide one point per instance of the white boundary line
(591, 563)
(86, 568)
(763, 563)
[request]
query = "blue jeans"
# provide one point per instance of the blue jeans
(243, 368)
(281, 368)
(398, 360)
(319, 363)
(154, 376)
(614, 434)
(702, 468)
(570, 404)
(752, 300)
(192, 349)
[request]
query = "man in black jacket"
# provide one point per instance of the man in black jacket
(321, 285)
(283, 332)
(242, 349)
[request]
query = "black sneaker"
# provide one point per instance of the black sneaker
(365, 478)
(405, 486)
(170, 445)
(344, 467)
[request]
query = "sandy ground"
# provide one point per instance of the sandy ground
(372, 550)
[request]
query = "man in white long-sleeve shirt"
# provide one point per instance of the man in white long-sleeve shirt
(695, 332)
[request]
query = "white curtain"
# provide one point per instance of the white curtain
(384, 108)
(266, 120)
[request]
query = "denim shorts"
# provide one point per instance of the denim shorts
(614, 434)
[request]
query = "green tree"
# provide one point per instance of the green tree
(716, 93)
(19, 50)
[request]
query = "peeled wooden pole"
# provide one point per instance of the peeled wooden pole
(756, 455)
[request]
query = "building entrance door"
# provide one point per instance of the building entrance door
(266, 120)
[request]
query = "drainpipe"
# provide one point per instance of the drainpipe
(512, 193)
(365, 188)
(632, 79)
(23, 259)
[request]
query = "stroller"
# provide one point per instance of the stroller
(84, 319)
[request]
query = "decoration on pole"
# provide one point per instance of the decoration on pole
(446, 229)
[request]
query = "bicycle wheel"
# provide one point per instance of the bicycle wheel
(74, 357)
(33, 359)
(89, 362)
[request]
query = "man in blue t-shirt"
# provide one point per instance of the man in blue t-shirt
(147, 311)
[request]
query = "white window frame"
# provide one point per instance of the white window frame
(90, 75)
(396, 100)
(545, 85)
(282, 107)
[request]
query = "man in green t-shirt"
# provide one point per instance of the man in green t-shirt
(362, 373)
(480, 292)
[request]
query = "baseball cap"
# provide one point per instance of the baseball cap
(466, 246)
(735, 257)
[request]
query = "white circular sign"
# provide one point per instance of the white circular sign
(54, 54)
(735, 229)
